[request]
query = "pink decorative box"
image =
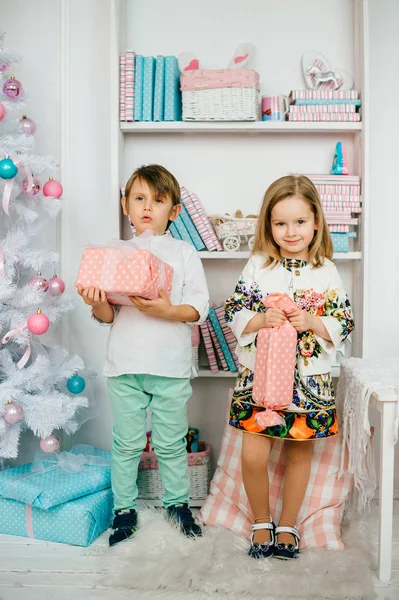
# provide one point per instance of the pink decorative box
(124, 271)
(210, 79)
(220, 95)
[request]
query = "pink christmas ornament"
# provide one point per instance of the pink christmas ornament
(52, 189)
(56, 286)
(2, 112)
(35, 189)
(38, 323)
(50, 444)
(39, 282)
(13, 413)
(12, 88)
(27, 125)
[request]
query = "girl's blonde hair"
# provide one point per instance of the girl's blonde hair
(321, 246)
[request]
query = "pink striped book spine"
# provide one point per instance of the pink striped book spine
(324, 95)
(338, 228)
(228, 334)
(349, 190)
(218, 348)
(349, 198)
(322, 108)
(122, 83)
(334, 117)
(333, 208)
(129, 86)
(344, 220)
(209, 347)
(200, 220)
(211, 241)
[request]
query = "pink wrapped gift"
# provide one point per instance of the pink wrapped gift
(210, 79)
(275, 364)
(123, 271)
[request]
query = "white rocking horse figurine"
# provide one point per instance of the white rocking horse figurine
(317, 69)
(323, 77)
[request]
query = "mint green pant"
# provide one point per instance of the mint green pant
(130, 395)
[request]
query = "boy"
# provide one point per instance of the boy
(149, 356)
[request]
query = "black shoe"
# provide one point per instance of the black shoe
(266, 549)
(124, 526)
(184, 517)
(287, 551)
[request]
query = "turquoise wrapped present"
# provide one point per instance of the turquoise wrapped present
(52, 479)
(78, 522)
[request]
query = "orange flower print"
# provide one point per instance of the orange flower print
(251, 425)
(300, 430)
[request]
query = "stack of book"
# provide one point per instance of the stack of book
(149, 88)
(342, 203)
(219, 341)
(324, 105)
(192, 225)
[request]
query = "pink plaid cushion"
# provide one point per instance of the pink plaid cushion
(320, 515)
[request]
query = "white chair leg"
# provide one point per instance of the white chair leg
(388, 411)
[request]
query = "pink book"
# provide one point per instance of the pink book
(228, 334)
(122, 84)
(200, 220)
(208, 347)
(218, 348)
(338, 228)
(336, 116)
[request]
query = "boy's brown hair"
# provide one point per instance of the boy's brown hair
(321, 246)
(160, 181)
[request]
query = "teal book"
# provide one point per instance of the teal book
(148, 87)
(195, 236)
(138, 87)
(173, 230)
(181, 228)
(173, 103)
(159, 88)
(222, 340)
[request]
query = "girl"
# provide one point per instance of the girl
(291, 255)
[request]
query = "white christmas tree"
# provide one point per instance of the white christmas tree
(39, 382)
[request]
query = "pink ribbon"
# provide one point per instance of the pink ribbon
(10, 182)
(22, 362)
(29, 521)
(275, 364)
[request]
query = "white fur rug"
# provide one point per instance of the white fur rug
(160, 563)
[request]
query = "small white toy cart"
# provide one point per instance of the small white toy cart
(234, 231)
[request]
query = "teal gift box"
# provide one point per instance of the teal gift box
(78, 522)
(52, 479)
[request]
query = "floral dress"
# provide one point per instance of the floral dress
(312, 414)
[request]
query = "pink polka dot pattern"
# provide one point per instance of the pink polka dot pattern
(124, 272)
(275, 359)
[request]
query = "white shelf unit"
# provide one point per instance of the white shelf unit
(236, 127)
(230, 165)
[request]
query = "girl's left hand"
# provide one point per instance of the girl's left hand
(156, 308)
(301, 320)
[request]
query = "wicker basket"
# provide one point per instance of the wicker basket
(226, 95)
(199, 469)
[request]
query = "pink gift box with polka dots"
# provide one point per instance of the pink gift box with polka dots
(123, 272)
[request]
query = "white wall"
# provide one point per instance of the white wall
(90, 203)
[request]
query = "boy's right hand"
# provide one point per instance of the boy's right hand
(274, 317)
(93, 297)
